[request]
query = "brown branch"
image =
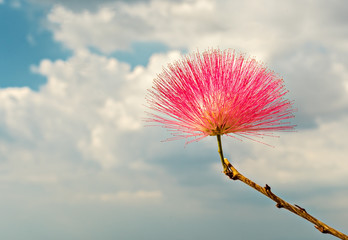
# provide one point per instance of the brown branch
(233, 174)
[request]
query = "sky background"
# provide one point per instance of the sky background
(76, 161)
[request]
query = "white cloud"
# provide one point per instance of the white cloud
(106, 96)
(316, 83)
(97, 99)
(312, 157)
(91, 104)
(81, 127)
(252, 26)
(116, 27)
(85, 126)
(305, 45)
(80, 137)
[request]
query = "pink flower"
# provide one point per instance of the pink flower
(219, 92)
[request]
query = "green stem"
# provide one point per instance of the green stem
(221, 153)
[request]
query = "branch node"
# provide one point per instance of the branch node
(267, 188)
(302, 209)
(229, 174)
(230, 171)
(321, 229)
(278, 205)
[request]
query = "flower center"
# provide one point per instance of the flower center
(215, 123)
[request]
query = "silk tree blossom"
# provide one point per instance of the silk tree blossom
(221, 92)
(216, 93)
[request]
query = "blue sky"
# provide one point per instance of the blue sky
(76, 161)
(24, 43)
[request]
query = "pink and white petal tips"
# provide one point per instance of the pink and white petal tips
(216, 93)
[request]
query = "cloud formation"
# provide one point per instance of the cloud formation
(92, 102)
(80, 138)
(116, 27)
(269, 32)
(82, 118)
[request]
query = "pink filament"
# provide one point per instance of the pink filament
(218, 92)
